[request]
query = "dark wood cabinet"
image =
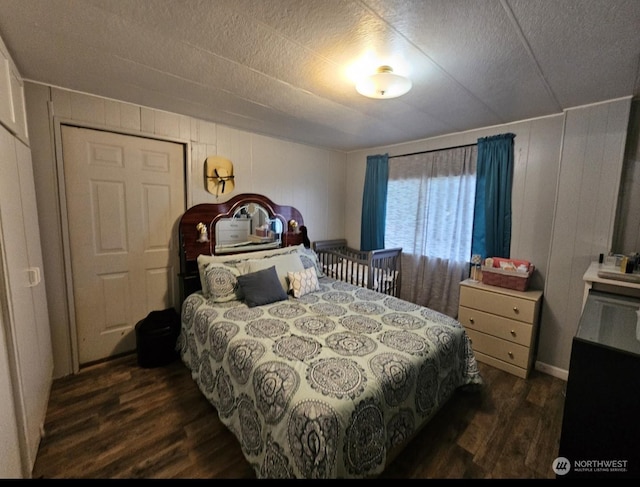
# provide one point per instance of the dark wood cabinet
(601, 422)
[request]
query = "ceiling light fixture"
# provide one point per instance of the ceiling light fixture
(383, 84)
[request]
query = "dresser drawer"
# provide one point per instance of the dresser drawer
(228, 237)
(503, 350)
(230, 224)
(500, 364)
(514, 307)
(232, 231)
(498, 326)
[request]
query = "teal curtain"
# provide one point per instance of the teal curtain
(492, 214)
(374, 203)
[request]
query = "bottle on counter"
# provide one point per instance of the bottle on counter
(623, 263)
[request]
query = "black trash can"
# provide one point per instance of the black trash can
(156, 337)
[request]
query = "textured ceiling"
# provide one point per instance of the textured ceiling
(281, 67)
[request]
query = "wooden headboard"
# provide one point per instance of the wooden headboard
(209, 214)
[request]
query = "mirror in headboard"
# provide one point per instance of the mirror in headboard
(251, 227)
(245, 223)
(260, 217)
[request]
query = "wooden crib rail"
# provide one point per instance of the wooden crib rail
(375, 269)
(385, 269)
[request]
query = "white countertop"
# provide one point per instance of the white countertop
(591, 277)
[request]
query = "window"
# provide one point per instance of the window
(429, 213)
(444, 235)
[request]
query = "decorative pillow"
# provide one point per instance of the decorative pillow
(282, 263)
(309, 258)
(234, 259)
(261, 287)
(204, 261)
(221, 282)
(304, 282)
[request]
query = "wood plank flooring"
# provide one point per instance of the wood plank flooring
(117, 420)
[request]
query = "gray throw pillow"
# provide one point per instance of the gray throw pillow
(261, 287)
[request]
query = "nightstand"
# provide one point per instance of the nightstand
(502, 325)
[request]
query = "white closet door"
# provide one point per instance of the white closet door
(28, 324)
(34, 255)
(10, 463)
(10, 457)
(124, 197)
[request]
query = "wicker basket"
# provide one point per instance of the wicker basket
(509, 279)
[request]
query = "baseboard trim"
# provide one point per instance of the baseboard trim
(553, 371)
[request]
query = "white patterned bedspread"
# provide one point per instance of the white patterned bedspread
(325, 385)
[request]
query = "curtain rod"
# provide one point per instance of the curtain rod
(432, 150)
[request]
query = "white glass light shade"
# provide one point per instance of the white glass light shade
(383, 84)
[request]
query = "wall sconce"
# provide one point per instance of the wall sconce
(202, 231)
(383, 84)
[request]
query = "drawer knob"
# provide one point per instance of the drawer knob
(510, 354)
(513, 333)
(515, 309)
(470, 320)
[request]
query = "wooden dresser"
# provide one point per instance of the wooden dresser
(502, 325)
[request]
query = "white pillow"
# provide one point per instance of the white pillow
(303, 282)
(233, 259)
(284, 264)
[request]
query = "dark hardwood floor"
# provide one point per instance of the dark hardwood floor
(117, 420)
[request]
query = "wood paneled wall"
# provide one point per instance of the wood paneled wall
(588, 187)
(565, 189)
(310, 179)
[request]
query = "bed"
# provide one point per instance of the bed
(330, 380)
(375, 269)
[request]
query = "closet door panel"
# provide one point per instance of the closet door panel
(10, 462)
(39, 352)
(34, 255)
(10, 457)
(30, 388)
